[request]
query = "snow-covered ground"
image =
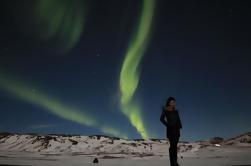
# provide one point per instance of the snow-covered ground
(63, 150)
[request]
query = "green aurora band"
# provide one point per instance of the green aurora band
(129, 75)
(63, 20)
(54, 106)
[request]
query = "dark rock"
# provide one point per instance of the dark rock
(155, 140)
(112, 157)
(216, 140)
(95, 160)
(105, 136)
(138, 140)
(144, 143)
(73, 141)
(5, 134)
(45, 140)
(133, 144)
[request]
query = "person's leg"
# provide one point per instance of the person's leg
(175, 142)
(172, 150)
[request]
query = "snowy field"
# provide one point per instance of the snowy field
(81, 150)
(236, 156)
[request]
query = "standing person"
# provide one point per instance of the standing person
(173, 126)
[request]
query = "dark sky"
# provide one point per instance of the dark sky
(66, 56)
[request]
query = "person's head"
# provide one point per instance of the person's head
(171, 102)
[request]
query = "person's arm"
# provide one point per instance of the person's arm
(162, 118)
(179, 120)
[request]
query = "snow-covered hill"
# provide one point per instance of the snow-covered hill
(241, 140)
(101, 144)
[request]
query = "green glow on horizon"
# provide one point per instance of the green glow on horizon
(108, 129)
(62, 19)
(54, 106)
(129, 75)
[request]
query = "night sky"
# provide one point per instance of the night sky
(107, 67)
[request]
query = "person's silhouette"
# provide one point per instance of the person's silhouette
(173, 126)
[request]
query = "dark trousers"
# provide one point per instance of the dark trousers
(173, 139)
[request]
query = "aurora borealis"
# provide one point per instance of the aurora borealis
(107, 67)
(55, 107)
(63, 20)
(129, 76)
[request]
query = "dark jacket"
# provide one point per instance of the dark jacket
(171, 120)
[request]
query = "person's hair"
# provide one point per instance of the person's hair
(168, 100)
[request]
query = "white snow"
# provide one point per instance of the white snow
(81, 150)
